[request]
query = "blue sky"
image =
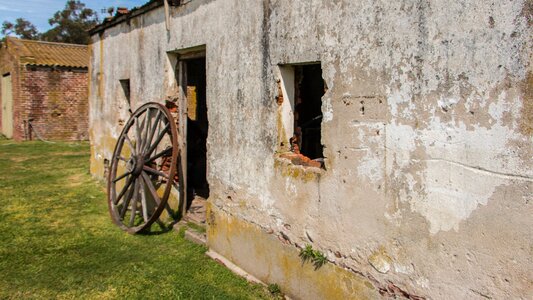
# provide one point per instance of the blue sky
(39, 11)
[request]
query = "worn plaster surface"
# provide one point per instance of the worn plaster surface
(427, 131)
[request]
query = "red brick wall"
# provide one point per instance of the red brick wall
(55, 100)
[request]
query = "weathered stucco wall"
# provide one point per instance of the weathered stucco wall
(427, 130)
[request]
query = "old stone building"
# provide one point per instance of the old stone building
(44, 90)
(393, 137)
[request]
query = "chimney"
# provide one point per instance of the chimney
(122, 11)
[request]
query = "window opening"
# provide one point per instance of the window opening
(309, 89)
(125, 84)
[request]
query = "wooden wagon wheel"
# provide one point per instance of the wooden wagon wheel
(143, 168)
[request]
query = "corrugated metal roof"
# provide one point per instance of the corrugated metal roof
(49, 54)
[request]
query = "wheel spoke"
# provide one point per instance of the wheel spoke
(121, 176)
(147, 123)
(126, 204)
(151, 187)
(134, 203)
(153, 129)
(158, 140)
(127, 138)
(155, 172)
(137, 135)
(124, 189)
(162, 153)
(143, 201)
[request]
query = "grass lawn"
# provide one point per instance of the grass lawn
(57, 239)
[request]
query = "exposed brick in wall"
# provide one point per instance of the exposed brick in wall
(55, 101)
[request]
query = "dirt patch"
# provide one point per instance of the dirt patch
(70, 153)
(75, 180)
(19, 159)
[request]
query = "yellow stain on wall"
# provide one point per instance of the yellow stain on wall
(267, 258)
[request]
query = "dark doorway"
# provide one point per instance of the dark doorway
(197, 130)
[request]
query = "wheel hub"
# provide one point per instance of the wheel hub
(137, 165)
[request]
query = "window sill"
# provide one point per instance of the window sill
(298, 166)
(301, 160)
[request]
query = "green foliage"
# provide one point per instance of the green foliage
(307, 253)
(319, 259)
(274, 289)
(21, 28)
(70, 25)
(314, 256)
(58, 242)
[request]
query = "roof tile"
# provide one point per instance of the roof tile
(51, 54)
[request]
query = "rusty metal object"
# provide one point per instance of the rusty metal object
(143, 168)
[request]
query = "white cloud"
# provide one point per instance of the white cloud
(4, 8)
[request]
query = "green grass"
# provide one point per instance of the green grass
(57, 240)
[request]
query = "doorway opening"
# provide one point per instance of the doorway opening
(197, 132)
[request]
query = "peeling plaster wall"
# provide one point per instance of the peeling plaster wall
(430, 189)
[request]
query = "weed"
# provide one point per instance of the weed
(316, 257)
(319, 259)
(274, 289)
(306, 254)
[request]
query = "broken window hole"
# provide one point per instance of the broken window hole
(304, 87)
(310, 88)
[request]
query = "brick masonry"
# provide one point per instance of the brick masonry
(54, 100)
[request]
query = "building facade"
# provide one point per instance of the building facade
(44, 90)
(393, 138)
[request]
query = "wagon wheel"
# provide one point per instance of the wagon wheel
(143, 168)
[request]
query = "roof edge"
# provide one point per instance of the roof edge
(56, 65)
(125, 17)
(50, 43)
(16, 40)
